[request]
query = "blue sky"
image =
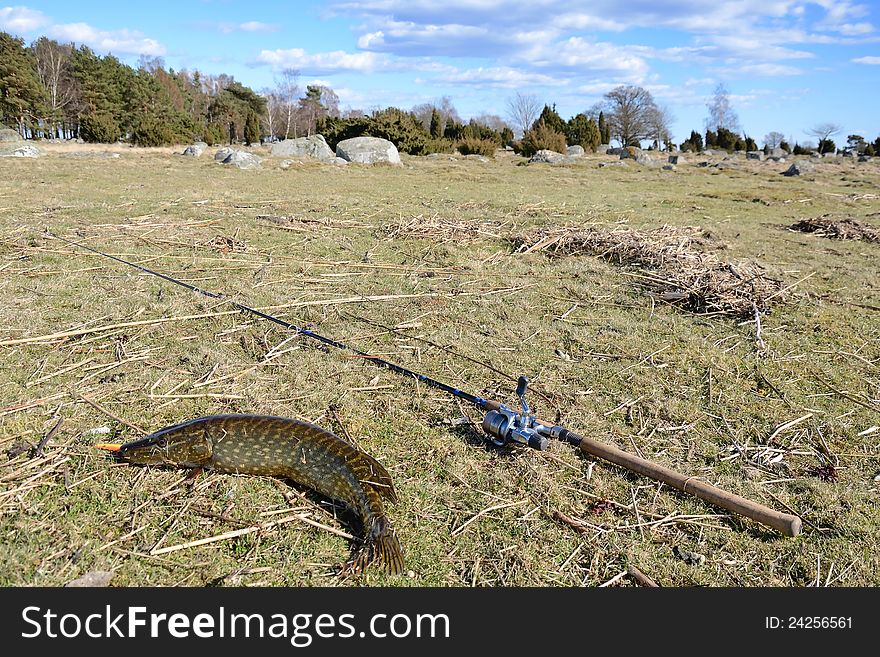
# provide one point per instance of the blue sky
(788, 64)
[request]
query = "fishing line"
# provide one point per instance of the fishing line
(381, 362)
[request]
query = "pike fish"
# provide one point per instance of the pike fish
(283, 447)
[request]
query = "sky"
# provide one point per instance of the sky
(788, 65)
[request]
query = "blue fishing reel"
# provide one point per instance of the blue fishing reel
(506, 425)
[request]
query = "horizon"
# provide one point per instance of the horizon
(788, 65)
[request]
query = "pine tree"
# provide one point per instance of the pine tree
(436, 124)
(583, 131)
(252, 128)
(604, 129)
(711, 139)
(22, 97)
(551, 119)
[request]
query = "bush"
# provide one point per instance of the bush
(148, 130)
(213, 134)
(100, 127)
(440, 145)
(475, 146)
(540, 138)
(401, 128)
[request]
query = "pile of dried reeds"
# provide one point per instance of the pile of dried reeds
(677, 269)
(442, 229)
(844, 228)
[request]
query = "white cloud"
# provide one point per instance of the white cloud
(257, 26)
(499, 76)
(119, 42)
(226, 27)
(855, 29)
(867, 60)
(578, 53)
(20, 20)
(326, 62)
(765, 70)
(23, 20)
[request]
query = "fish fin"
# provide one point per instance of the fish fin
(381, 547)
(373, 474)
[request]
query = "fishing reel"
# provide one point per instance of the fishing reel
(506, 425)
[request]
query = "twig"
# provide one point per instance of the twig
(788, 425)
(640, 577)
(109, 327)
(463, 526)
(96, 405)
(250, 530)
(758, 339)
(38, 450)
(614, 579)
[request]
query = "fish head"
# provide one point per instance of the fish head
(175, 445)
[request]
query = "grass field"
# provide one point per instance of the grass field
(416, 264)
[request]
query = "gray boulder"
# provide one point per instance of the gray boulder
(777, 152)
(603, 148)
(223, 153)
(548, 157)
(575, 151)
(799, 167)
(23, 151)
(755, 155)
(243, 160)
(675, 159)
(195, 150)
(8, 135)
(314, 146)
(368, 150)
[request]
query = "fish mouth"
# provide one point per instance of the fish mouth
(147, 450)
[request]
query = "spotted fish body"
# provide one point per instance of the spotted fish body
(285, 447)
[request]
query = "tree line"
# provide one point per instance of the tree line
(54, 90)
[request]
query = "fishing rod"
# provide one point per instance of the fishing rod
(504, 424)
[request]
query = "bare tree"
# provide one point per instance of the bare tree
(443, 107)
(287, 85)
(423, 112)
(523, 110)
(273, 118)
(773, 139)
(490, 121)
(632, 114)
(53, 68)
(721, 112)
(660, 120)
(824, 131)
(330, 101)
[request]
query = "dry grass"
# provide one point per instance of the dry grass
(680, 270)
(397, 262)
(843, 228)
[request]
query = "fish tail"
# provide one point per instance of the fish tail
(381, 547)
